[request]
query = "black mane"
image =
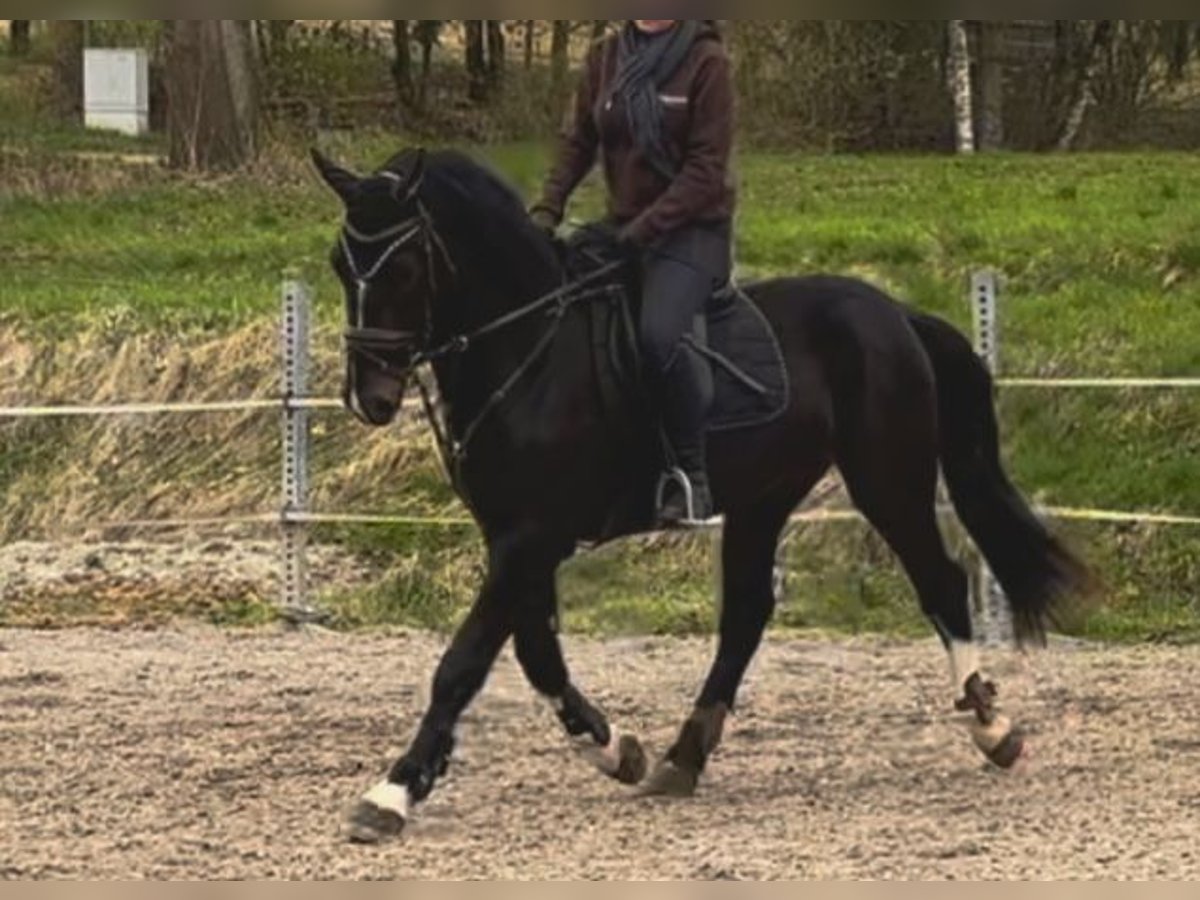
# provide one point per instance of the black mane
(484, 219)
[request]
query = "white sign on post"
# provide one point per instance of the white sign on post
(116, 90)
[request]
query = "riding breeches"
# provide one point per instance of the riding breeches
(680, 276)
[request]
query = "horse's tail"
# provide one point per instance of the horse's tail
(1035, 570)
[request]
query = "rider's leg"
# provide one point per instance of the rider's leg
(677, 287)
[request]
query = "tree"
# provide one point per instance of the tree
(560, 54)
(960, 85)
(66, 37)
(402, 62)
(477, 70)
(1085, 96)
(497, 53)
(213, 102)
(273, 34)
(18, 37)
(1180, 37)
(427, 33)
(991, 84)
(529, 26)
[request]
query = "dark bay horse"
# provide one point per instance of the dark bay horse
(442, 266)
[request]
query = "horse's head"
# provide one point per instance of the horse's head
(385, 258)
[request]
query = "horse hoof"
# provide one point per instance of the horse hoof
(380, 816)
(669, 780)
(371, 826)
(634, 764)
(1010, 752)
(1000, 742)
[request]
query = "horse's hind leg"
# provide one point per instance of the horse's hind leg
(896, 489)
(748, 564)
(539, 651)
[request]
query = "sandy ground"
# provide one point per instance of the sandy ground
(200, 754)
(143, 582)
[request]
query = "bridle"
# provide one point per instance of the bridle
(376, 345)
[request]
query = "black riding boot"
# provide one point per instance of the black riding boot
(683, 407)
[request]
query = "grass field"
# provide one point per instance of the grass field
(1100, 257)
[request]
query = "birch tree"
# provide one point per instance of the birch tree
(960, 86)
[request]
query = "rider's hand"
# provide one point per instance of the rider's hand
(631, 238)
(545, 220)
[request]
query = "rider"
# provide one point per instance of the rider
(657, 102)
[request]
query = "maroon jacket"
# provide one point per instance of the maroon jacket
(698, 109)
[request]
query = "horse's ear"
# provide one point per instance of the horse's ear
(417, 174)
(413, 174)
(342, 181)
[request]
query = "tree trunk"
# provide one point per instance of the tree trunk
(497, 53)
(273, 35)
(560, 54)
(1181, 37)
(212, 94)
(599, 29)
(476, 61)
(991, 87)
(427, 32)
(278, 29)
(1085, 88)
(18, 36)
(66, 36)
(530, 27)
(960, 85)
(402, 62)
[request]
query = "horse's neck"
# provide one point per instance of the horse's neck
(468, 381)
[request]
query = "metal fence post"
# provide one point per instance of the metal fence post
(997, 625)
(296, 609)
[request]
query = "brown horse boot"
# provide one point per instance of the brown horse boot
(679, 774)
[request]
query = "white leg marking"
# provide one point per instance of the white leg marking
(390, 798)
(964, 662)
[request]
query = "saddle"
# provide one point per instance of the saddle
(733, 345)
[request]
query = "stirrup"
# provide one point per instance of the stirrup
(679, 477)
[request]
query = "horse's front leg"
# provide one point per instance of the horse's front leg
(384, 811)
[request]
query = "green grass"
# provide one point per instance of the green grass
(1100, 257)
(1095, 262)
(28, 124)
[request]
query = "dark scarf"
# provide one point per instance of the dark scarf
(644, 64)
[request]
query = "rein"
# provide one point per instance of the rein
(374, 344)
(555, 306)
